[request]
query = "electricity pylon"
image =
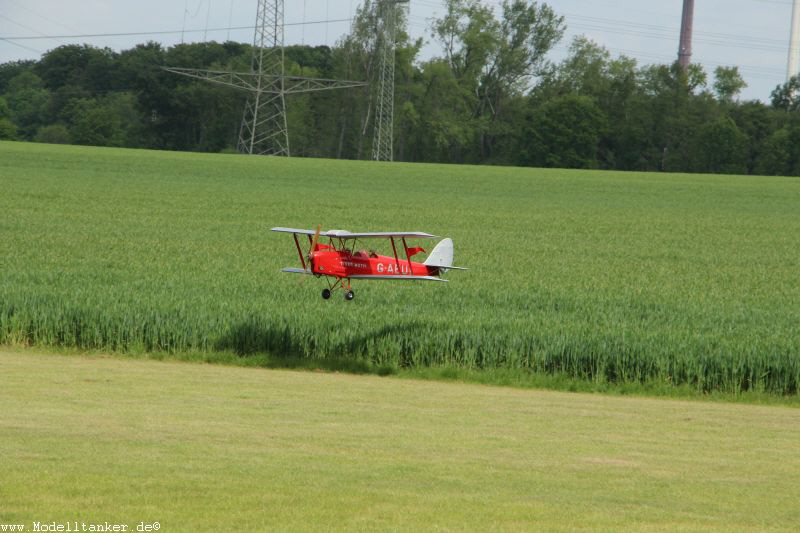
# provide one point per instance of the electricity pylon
(382, 144)
(264, 130)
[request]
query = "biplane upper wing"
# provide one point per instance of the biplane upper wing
(344, 234)
(398, 276)
(295, 230)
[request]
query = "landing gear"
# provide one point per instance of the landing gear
(340, 284)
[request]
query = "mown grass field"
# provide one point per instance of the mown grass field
(599, 276)
(216, 448)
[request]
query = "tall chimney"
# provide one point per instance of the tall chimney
(794, 43)
(685, 46)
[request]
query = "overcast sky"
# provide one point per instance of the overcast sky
(753, 34)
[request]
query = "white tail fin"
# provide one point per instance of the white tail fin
(442, 255)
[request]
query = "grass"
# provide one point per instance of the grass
(210, 448)
(605, 278)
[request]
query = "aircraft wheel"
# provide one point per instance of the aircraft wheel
(326, 293)
(349, 295)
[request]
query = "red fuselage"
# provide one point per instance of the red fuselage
(344, 264)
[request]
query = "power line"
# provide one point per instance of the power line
(663, 32)
(580, 22)
(22, 46)
(165, 32)
(28, 28)
(646, 28)
(672, 29)
(43, 17)
(591, 23)
(663, 36)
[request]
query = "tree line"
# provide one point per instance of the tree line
(491, 96)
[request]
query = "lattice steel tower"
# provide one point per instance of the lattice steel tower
(264, 129)
(382, 144)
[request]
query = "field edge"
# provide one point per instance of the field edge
(496, 377)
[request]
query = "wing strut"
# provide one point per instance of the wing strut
(408, 257)
(396, 260)
(299, 252)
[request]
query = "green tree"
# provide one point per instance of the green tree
(5, 111)
(612, 84)
(203, 117)
(140, 70)
(675, 113)
(443, 123)
(775, 159)
(180, 113)
(28, 103)
(12, 69)
(93, 123)
(494, 61)
(781, 154)
(722, 147)
(565, 132)
(110, 120)
(82, 66)
(786, 97)
(53, 134)
(585, 71)
(758, 122)
(728, 83)
(8, 130)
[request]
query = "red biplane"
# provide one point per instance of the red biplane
(341, 260)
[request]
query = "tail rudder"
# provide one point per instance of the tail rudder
(442, 255)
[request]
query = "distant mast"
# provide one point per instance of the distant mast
(794, 43)
(685, 46)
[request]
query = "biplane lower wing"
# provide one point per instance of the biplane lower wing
(291, 270)
(397, 276)
(295, 270)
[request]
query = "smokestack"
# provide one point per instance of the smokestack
(685, 46)
(794, 43)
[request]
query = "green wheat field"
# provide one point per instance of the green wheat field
(601, 277)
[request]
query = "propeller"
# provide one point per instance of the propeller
(313, 245)
(309, 266)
